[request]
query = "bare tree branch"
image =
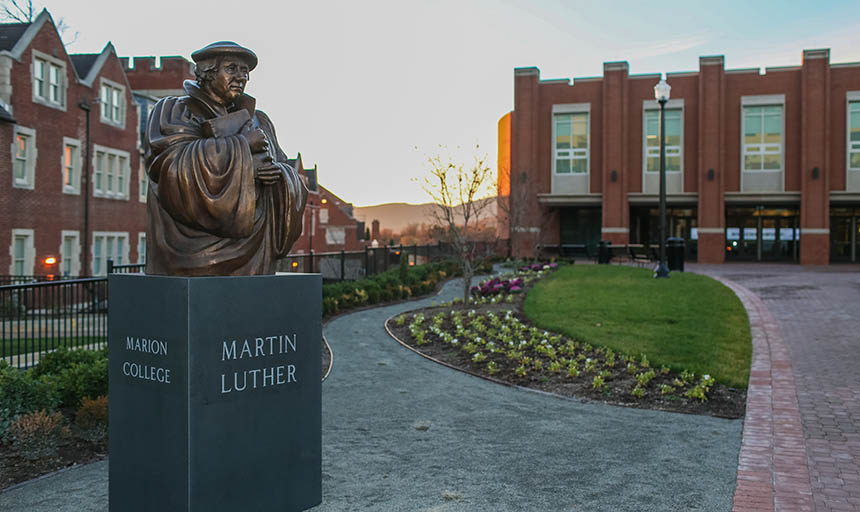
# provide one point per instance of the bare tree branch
(459, 195)
(19, 11)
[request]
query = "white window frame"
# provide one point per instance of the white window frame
(118, 258)
(141, 242)
(29, 252)
(74, 257)
(772, 100)
(335, 235)
(111, 113)
(123, 171)
(649, 106)
(565, 109)
(62, 85)
(323, 215)
(77, 165)
(143, 182)
(29, 180)
(851, 97)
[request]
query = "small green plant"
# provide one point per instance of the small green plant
(479, 357)
(591, 365)
(638, 392)
(520, 371)
(538, 365)
(555, 367)
(644, 363)
(605, 374)
(645, 377)
(572, 370)
(696, 392)
(631, 368)
(400, 320)
(688, 376)
(665, 370)
(492, 368)
(598, 383)
(666, 389)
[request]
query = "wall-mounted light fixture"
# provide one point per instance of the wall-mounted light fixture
(711, 174)
(815, 173)
(614, 176)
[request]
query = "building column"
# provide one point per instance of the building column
(814, 158)
(712, 206)
(525, 178)
(615, 225)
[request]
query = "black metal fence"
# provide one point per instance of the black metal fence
(44, 313)
(352, 265)
(44, 316)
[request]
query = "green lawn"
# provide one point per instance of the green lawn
(687, 322)
(10, 348)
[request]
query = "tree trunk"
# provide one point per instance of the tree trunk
(467, 278)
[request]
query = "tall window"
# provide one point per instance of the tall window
(854, 135)
(111, 173)
(112, 103)
(762, 143)
(109, 246)
(144, 183)
(141, 247)
(23, 253)
(571, 143)
(674, 151)
(23, 157)
(70, 250)
(49, 80)
(71, 166)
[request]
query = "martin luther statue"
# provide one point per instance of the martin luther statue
(222, 199)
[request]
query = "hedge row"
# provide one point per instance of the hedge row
(394, 284)
(60, 381)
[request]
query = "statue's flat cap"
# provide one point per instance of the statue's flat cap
(226, 48)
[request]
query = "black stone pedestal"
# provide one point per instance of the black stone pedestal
(215, 393)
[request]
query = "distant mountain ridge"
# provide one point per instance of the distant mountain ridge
(397, 216)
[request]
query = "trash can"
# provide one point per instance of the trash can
(675, 253)
(604, 252)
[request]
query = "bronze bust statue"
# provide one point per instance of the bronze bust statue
(222, 199)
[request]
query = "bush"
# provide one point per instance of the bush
(394, 284)
(21, 393)
(38, 434)
(55, 362)
(82, 380)
(92, 418)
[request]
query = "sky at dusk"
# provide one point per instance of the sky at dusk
(366, 89)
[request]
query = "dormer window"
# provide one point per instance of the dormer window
(112, 103)
(49, 80)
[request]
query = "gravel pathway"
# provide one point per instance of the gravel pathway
(401, 433)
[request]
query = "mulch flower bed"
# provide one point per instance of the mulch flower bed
(73, 451)
(492, 338)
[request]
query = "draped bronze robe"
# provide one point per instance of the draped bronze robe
(206, 213)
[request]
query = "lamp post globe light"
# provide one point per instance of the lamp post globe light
(661, 94)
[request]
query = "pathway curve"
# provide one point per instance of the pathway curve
(814, 315)
(401, 433)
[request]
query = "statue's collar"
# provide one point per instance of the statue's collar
(245, 101)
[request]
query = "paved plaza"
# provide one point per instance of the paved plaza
(813, 314)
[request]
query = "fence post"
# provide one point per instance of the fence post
(385, 259)
(366, 263)
(342, 264)
(311, 258)
(110, 266)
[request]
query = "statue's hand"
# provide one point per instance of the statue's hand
(268, 174)
(257, 140)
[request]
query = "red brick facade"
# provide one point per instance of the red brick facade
(712, 198)
(43, 205)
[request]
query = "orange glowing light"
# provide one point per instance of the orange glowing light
(295, 264)
(324, 201)
(50, 260)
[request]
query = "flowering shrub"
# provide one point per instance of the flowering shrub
(38, 434)
(499, 343)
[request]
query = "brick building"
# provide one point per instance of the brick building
(329, 223)
(56, 203)
(761, 166)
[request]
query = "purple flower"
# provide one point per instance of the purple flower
(515, 289)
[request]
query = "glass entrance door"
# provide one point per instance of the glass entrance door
(845, 234)
(762, 234)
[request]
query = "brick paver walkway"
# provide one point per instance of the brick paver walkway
(814, 315)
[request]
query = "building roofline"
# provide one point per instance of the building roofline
(27, 37)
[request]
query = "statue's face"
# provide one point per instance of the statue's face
(230, 79)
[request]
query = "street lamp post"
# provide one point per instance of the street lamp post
(661, 94)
